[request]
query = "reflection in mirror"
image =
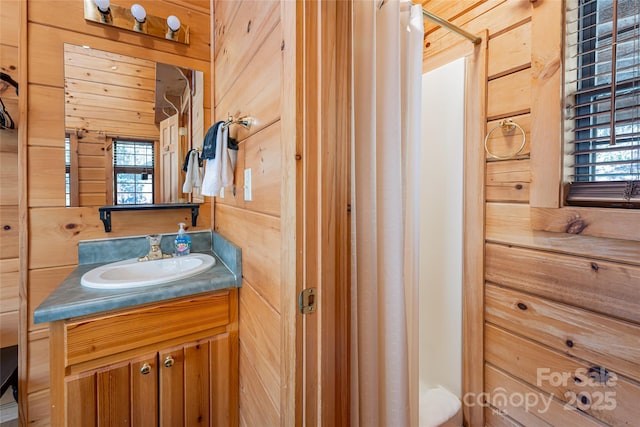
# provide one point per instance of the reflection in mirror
(129, 124)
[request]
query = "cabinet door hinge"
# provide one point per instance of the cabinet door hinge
(307, 301)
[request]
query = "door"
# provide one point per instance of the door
(169, 160)
(325, 216)
(124, 394)
(185, 376)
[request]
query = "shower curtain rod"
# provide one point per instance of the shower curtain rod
(448, 25)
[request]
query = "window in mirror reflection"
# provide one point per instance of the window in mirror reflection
(133, 172)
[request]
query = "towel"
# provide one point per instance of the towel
(193, 178)
(185, 164)
(209, 143)
(219, 170)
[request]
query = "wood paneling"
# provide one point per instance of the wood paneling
(9, 285)
(494, 418)
(259, 237)
(224, 13)
(257, 90)
(109, 93)
(8, 292)
(532, 362)
(9, 328)
(41, 283)
(249, 24)
(8, 176)
(574, 285)
(495, 16)
(39, 409)
(510, 224)
(261, 153)
(63, 228)
(540, 408)
(259, 339)
(46, 116)
(255, 409)
(510, 51)
(46, 180)
(601, 286)
(9, 232)
(46, 47)
(509, 95)
(601, 340)
(546, 102)
(609, 223)
(9, 23)
(70, 14)
(508, 181)
(256, 60)
(39, 363)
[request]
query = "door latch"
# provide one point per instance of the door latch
(307, 301)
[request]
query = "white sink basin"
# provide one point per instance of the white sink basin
(132, 273)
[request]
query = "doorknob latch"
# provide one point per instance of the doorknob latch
(307, 301)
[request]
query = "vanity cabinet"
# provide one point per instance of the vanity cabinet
(166, 364)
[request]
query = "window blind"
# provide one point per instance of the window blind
(602, 87)
(133, 167)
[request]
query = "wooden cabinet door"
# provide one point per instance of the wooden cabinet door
(223, 350)
(125, 394)
(184, 385)
(171, 363)
(81, 400)
(144, 391)
(196, 383)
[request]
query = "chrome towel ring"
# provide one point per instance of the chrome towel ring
(509, 125)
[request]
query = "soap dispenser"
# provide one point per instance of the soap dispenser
(182, 242)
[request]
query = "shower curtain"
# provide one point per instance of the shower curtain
(388, 37)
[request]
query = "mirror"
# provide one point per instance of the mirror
(129, 125)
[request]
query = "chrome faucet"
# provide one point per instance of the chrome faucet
(154, 250)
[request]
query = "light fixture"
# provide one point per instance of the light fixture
(140, 16)
(173, 24)
(105, 11)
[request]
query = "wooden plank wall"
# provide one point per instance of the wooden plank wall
(53, 230)
(554, 301)
(109, 93)
(252, 48)
(9, 228)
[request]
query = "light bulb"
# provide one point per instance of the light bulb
(139, 13)
(173, 22)
(102, 5)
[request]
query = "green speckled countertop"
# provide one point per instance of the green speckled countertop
(71, 299)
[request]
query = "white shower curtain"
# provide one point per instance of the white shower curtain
(388, 38)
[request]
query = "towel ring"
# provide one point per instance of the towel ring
(511, 125)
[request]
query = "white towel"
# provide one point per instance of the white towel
(193, 178)
(218, 172)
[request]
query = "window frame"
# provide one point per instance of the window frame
(547, 211)
(133, 169)
(585, 191)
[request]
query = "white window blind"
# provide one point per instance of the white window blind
(602, 88)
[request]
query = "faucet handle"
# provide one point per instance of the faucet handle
(154, 239)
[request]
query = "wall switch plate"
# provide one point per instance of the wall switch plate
(222, 192)
(247, 185)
